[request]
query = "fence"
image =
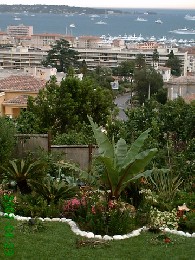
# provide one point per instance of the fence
(80, 154)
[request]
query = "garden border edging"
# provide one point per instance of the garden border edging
(79, 232)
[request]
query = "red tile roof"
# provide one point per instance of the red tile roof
(22, 83)
(22, 99)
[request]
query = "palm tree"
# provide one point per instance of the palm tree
(21, 172)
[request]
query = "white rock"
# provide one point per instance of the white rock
(117, 237)
(181, 233)
(188, 234)
(41, 219)
(47, 219)
(167, 230)
(98, 236)
(193, 234)
(83, 233)
(63, 220)
(129, 235)
(55, 219)
(125, 236)
(90, 235)
(1, 213)
(136, 233)
(106, 237)
(173, 231)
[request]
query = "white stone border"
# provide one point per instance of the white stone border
(79, 232)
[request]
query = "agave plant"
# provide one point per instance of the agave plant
(53, 189)
(21, 172)
(122, 165)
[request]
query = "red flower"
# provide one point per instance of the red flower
(167, 240)
(93, 210)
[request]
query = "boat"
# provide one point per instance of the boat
(72, 25)
(17, 18)
(141, 19)
(158, 21)
(101, 22)
(183, 31)
(189, 17)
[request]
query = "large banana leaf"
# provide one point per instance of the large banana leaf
(122, 165)
(105, 146)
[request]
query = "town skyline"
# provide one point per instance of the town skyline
(166, 4)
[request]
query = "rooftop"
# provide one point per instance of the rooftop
(22, 83)
(22, 100)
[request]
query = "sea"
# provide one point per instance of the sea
(114, 24)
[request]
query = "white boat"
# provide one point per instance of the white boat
(72, 25)
(141, 19)
(17, 18)
(94, 15)
(183, 31)
(189, 17)
(158, 21)
(101, 22)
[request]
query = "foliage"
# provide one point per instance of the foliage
(31, 226)
(155, 56)
(185, 197)
(94, 213)
(33, 205)
(163, 219)
(140, 62)
(64, 107)
(7, 140)
(165, 185)
(145, 79)
(22, 171)
(174, 63)
(121, 165)
(187, 222)
(52, 190)
(84, 136)
(125, 68)
(61, 56)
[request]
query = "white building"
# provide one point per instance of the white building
(19, 30)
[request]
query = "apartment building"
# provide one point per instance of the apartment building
(114, 56)
(19, 30)
(20, 57)
(44, 40)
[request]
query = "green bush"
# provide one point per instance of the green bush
(7, 139)
(33, 205)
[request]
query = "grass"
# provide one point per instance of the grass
(58, 242)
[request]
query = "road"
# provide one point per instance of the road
(122, 103)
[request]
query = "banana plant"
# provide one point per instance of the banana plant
(122, 165)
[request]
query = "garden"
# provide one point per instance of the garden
(135, 197)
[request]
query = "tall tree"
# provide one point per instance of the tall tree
(140, 62)
(63, 107)
(155, 57)
(147, 80)
(174, 63)
(61, 56)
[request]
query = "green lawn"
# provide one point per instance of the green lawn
(57, 241)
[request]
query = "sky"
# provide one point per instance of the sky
(176, 4)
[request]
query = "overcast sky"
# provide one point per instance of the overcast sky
(185, 4)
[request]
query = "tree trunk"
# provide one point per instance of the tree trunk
(23, 186)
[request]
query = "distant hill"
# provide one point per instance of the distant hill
(56, 9)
